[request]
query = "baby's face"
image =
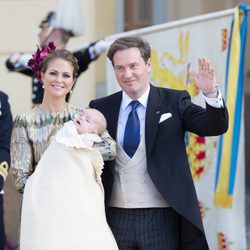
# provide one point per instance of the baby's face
(84, 123)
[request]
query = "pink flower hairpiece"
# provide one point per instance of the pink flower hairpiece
(38, 56)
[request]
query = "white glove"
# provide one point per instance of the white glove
(101, 46)
(20, 60)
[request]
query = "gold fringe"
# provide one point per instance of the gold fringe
(4, 169)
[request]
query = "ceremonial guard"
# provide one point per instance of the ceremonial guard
(5, 133)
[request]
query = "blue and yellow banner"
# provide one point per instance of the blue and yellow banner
(229, 143)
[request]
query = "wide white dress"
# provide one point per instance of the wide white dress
(63, 200)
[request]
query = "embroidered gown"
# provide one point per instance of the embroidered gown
(63, 200)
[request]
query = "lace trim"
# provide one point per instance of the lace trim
(68, 136)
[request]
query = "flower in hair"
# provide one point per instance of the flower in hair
(38, 56)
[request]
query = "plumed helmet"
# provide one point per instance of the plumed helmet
(67, 17)
(48, 19)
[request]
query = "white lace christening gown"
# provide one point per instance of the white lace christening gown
(63, 200)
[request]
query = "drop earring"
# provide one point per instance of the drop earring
(70, 92)
(43, 86)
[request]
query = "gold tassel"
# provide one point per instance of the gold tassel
(4, 169)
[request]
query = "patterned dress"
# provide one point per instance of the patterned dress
(31, 136)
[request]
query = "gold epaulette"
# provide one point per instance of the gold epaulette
(35, 105)
(4, 169)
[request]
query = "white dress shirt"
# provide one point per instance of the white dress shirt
(125, 110)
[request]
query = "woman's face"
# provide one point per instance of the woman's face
(58, 78)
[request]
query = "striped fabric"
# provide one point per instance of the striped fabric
(145, 228)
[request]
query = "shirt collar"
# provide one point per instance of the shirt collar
(126, 99)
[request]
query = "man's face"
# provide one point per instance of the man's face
(132, 72)
(44, 33)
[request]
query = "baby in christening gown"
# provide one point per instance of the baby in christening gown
(63, 200)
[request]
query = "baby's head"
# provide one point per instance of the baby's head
(90, 121)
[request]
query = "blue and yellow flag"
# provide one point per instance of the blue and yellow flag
(228, 144)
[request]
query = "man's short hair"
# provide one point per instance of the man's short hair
(130, 42)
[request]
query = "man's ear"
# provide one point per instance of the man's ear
(149, 63)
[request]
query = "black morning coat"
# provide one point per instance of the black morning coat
(167, 161)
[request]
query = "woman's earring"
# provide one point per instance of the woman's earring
(43, 86)
(70, 92)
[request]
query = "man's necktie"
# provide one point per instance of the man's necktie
(132, 131)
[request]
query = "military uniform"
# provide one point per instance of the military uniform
(5, 133)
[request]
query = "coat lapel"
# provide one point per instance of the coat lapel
(153, 114)
(114, 107)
